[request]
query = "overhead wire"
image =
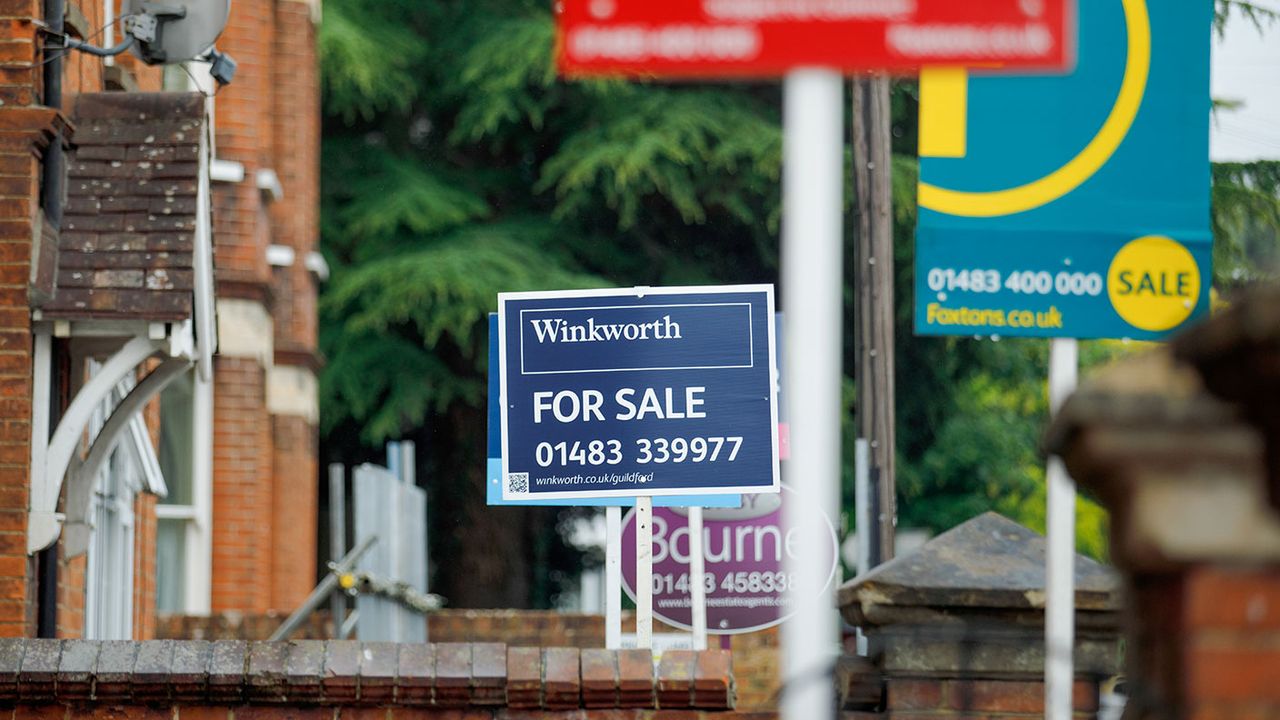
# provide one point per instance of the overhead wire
(92, 36)
(196, 83)
(65, 51)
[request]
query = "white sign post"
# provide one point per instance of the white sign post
(613, 578)
(644, 572)
(812, 283)
(1059, 624)
(697, 569)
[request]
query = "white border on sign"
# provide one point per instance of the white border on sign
(641, 291)
(751, 340)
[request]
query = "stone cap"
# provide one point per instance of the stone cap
(982, 567)
(1237, 353)
(1139, 391)
(348, 672)
(1251, 323)
(1182, 471)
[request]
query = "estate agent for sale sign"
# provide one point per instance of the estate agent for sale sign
(641, 392)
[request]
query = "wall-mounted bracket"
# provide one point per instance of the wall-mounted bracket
(50, 457)
(83, 475)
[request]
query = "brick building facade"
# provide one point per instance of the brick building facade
(112, 188)
(267, 229)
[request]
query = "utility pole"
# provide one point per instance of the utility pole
(873, 311)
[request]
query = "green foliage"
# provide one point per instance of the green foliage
(367, 56)
(1246, 220)
(407, 199)
(504, 79)
(456, 166)
(673, 144)
(394, 308)
(1258, 14)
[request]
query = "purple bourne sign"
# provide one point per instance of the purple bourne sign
(745, 581)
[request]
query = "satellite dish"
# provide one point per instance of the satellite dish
(174, 31)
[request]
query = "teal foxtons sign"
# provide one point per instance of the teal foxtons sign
(1072, 206)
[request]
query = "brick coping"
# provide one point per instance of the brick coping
(348, 672)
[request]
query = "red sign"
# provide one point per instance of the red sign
(767, 38)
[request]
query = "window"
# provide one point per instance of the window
(183, 552)
(131, 468)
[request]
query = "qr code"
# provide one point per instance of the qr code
(518, 482)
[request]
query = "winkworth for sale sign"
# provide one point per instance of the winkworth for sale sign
(642, 392)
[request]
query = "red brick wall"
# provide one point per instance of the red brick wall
(317, 680)
(755, 655)
(19, 188)
(937, 699)
(1230, 642)
(18, 174)
(267, 119)
(71, 594)
(83, 73)
(294, 223)
(757, 668)
(235, 626)
(145, 536)
(242, 495)
(296, 133)
(295, 511)
(144, 567)
(243, 132)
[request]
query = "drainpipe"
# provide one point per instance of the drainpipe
(55, 160)
(52, 188)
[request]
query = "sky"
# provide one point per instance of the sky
(1246, 67)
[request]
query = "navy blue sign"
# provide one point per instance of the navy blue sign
(652, 391)
(493, 467)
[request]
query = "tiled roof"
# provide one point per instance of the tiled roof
(127, 236)
(346, 672)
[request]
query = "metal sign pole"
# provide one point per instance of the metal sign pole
(1059, 626)
(697, 570)
(864, 514)
(337, 539)
(812, 286)
(644, 573)
(613, 578)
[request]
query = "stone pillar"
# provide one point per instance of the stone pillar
(1183, 454)
(292, 386)
(243, 460)
(957, 627)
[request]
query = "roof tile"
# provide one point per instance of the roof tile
(132, 181)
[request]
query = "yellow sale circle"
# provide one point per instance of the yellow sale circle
(1154, 283)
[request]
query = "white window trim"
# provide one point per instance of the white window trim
(197, 518)
(109, 579)
(200, 532)
(176, 512)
